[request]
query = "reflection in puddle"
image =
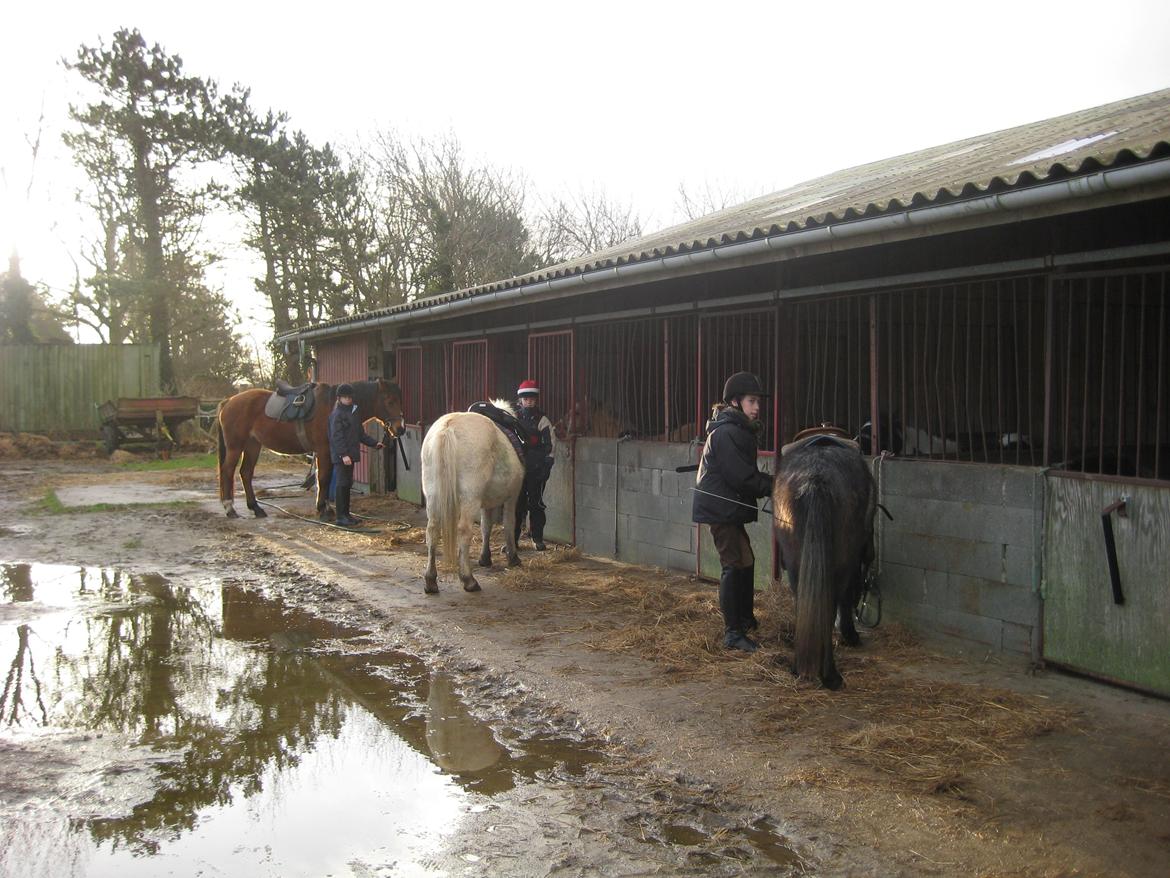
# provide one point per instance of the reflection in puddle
(297, 757)
(458, 742)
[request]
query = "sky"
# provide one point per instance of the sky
(634, 99)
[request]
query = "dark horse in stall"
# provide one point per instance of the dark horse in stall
(824, 502)
(244, 429)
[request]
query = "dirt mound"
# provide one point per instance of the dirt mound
(34, 446)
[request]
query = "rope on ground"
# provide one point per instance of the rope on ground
(349, 530)
(398, 523)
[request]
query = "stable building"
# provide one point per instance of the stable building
(990, 316)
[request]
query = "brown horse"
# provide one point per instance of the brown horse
(824, 503)
(243, 429)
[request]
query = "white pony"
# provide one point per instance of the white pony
(468, 466)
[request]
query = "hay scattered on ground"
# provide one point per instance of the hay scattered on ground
(894, 724)
(33, 446)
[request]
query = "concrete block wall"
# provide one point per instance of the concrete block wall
(410, 481)
(632, 505)
(558, 496)
(962, 557)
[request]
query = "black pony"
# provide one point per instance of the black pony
(824, 503)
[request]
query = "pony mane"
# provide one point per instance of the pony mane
(505, 405)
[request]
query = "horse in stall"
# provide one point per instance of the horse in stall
(824, 502)
(469, 466)
(243, 429)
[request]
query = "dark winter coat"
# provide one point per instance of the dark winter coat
(537, 439)
(728, 470)
(346, 434)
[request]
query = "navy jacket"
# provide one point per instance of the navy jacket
(728, 470)
(346, 434)
(537, 439)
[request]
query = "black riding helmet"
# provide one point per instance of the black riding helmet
(742, 384)
(345, 390)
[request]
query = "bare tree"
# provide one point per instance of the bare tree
(582, 224)
(710, 198)
(449, 224)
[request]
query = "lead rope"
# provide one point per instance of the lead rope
(880, 548)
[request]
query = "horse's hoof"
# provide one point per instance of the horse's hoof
(259, 512)
(471, 584)
(834, 682)
(851, 639)
(513, 560)
(231, 513)
(430, 585)
(485, 560)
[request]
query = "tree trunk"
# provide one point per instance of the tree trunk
(158, 290)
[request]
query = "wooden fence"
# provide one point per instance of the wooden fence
(54, 388)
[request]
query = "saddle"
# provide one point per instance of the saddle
(823, 434)
(288, 403)
(510, 426)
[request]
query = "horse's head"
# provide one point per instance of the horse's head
(388, 407)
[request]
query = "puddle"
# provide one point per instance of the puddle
(728, 843)
(14, 530)
(279, 746)
(126, 494)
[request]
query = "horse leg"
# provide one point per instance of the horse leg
(229, 458)
(247, 468)
(486, 516)
(847, 603)
(510, 533)
(430, 575)
(469, 581)
(324, 474)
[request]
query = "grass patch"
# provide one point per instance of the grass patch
(195, 461)
(51, 504)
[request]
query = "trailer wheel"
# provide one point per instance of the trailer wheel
(110, 438)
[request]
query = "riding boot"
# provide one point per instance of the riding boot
(343, 517)
(729, 605)
(746, 592)
(536, 520)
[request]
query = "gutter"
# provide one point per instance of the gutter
(1111, 180)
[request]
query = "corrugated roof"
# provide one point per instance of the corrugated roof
(1127, 131)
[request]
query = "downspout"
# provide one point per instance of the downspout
(1114, 179)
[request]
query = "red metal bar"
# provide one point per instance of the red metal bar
(875, 419)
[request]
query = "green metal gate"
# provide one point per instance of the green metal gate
(1084, 627)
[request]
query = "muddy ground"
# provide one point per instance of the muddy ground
(932, 760)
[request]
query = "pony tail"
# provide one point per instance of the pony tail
(815, 603)
(448, 495)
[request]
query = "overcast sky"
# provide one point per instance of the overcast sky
(631, 97)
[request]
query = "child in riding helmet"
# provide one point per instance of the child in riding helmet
(725, 498)
(346, 437)
(537, 437)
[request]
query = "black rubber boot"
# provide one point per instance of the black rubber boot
(746, 592)
(343, 516)
(733, 636)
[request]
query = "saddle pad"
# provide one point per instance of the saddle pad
(820, 439)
